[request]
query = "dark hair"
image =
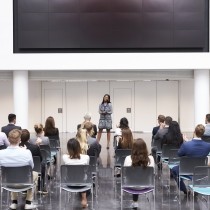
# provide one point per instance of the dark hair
(208, 118)
(11, 117)
(168, 120)
(139, 154)
(199, 130)
(161, 118)
(123, 123)
(74, 149)
(25, 136)
(174, 135)
(108, 99)
(49, 127)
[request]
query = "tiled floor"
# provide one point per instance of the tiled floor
(109, 191)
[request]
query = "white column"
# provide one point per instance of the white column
(20, 97)
(201, 95)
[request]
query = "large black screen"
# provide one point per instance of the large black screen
(110, 25)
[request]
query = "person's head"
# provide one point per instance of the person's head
(123, 123)
(12, 118)
(161, 118)
(38, 128)
(89, 127)
(168, 120)
(106, 99)
(207, 118)
(199, 130)
(87, 117)
(174, 127)
(81, 136)
(25, 136)
(14, 137)
(50, 122)
(139, 154)
(74, 149)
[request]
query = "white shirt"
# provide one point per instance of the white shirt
(128, 161)
(16, 156)
(84, 160)
(3, 139)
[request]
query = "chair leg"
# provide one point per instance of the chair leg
(121, 199)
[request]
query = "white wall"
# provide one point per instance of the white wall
(88, 61)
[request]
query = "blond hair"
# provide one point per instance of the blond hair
(14, 136)
(82, 138)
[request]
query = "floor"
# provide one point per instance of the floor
(109, 188)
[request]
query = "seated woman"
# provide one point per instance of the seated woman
(39, 138)
(126, 139)
(74, 157)
(87, 119)
(94, 146)
(81, 136)
(174, 136)
(139, 157)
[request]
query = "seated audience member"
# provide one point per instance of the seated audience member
(161, 119)
(139, 157)
(39, 138)
(194, 148)
(50, 130)
(207, 127)
(35, 151)
(173, 136)
(74, 157)
(14, 155)
(87, 118)
(81, 136)
(4, 143)
(12, 121)
(159, 137)
(93, 144)
(126, 139)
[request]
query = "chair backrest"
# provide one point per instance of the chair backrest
(93, 164)
(37, 164)
(45, 156)
(166, 150)
(173, 158)
(201, 176)
(187, 164)
(75, 175)
(157, 144)
(120, 155)
(206, 138)
(21, 175)
(48, 151)
(137, 177)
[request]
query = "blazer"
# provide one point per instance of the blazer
(6, 129)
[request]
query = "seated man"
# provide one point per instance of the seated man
(35, 151)
(194, 148)
(4, 143)
(14, 155)
(12, 121)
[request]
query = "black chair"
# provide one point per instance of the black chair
(137, 180)
(16, 179)
(76, 178)
(206, 138)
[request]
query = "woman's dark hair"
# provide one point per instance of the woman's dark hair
(74, 149)
(139, 154)
(49, 127)
(123, 123)
(174, 135)
(108, 99)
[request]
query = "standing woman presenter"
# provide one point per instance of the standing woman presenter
(105, 121)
